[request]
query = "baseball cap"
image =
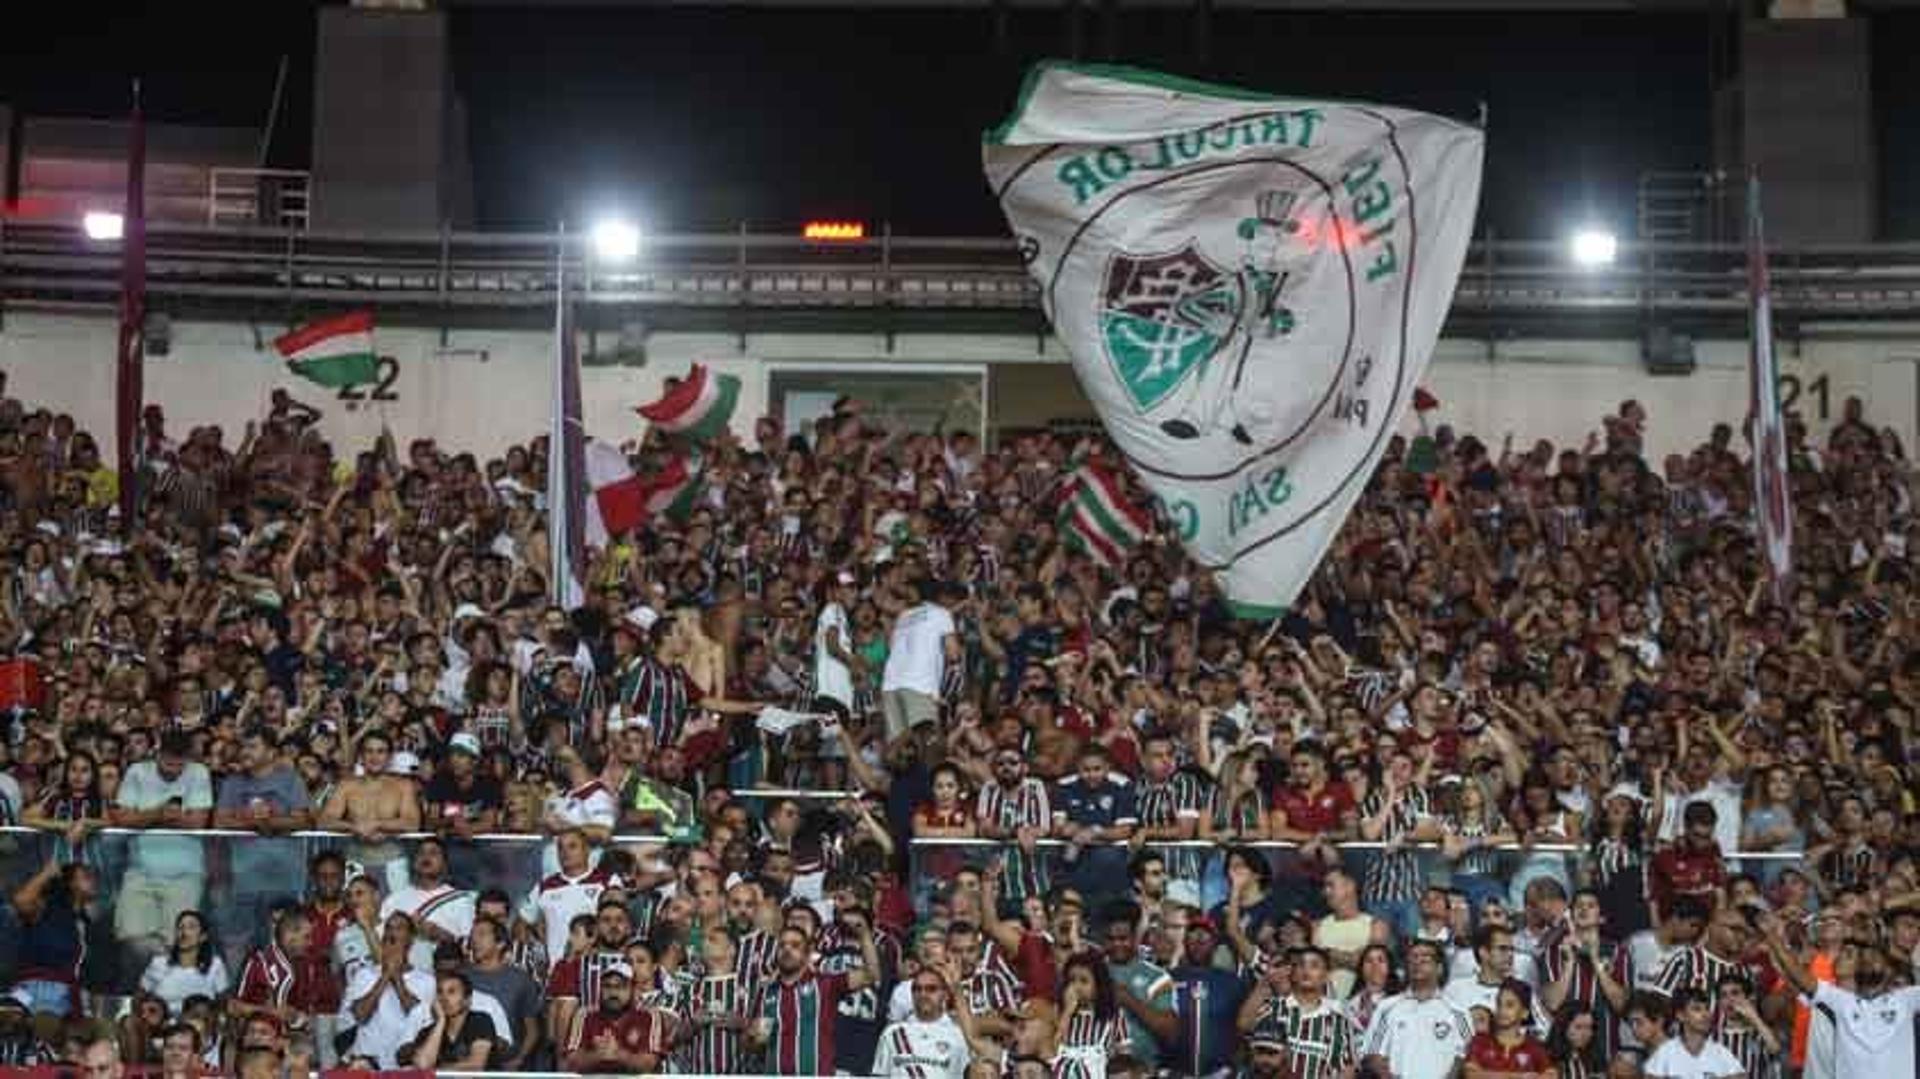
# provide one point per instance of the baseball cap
(404, 763)
(464, 742)
(17, 999)
(1267, 1036)
(618, 967)
(642, 618)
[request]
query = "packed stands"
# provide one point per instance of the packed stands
(861, 764)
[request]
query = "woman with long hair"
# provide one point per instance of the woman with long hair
(1470, 838)
(1374, 982)
(1506, 1050)
(1616, 865)
(74, 799)
(1089, 1028)
(1546, 823)
(1240, 806)
(191, 966)
(1773, 822)
(1574, 1043)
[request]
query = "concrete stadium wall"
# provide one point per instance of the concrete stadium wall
(489, 389)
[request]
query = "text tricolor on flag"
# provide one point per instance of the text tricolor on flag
(333, 352)
(1250, 288)
(1097, 517)
(699, 406)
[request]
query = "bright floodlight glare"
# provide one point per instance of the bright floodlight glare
(1594, 247)
(101, 225)
(616, 241)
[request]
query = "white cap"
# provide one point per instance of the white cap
(404, 763)
(1629, 791)
(846, 578)
(468, 610)
(642, 618)
(464, 742)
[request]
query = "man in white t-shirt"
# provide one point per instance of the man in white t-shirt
(1418, 1034)
(924, 641)
(1872, 1023)
(560, 897)
(441, 913)
(928, 1042)
(833, 658)
(1693, 1055)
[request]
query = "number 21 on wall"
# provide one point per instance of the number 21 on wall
(1790, 388)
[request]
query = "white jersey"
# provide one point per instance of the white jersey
(1673, 1061)
(1420, 1039)
(1870, 1036)
(558, 899)
(911, 1048)
(831, 678)
(447, 907)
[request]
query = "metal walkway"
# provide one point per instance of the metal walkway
(479, 273)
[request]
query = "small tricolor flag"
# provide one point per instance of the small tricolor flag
(1097, 518)
(698, 406)
(624, 501)
(334, 352)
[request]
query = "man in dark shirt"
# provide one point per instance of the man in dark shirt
(1206, 1001)
(1094, 811)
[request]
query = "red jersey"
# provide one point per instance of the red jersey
(1033, 965)
(1321, 812)
(272, 979)
(326, 985)
(1528, 1056)
(634, 1030)
(578, 977)
(1680, 870)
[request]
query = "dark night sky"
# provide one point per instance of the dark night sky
(701, 118)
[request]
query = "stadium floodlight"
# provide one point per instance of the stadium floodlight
(1595, 247)
(616, 241)
(103, 225)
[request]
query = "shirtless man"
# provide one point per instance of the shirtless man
(373, 804)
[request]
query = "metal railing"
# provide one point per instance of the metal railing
(480, 272)
(259, 198)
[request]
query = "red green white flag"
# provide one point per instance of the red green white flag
(1098, 518)
(699, 406)
(334, 352)
(623, 501)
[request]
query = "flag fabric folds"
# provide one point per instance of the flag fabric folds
(699, 406)
(1097, 518)
(1249, 287)
(1772, 496)
(333, 352)
(624, 500)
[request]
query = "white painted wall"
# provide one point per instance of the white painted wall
(1534, 388)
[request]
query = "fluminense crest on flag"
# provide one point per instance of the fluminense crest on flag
(699, 406)
(333, 352)
(1098, 518)
(1250, 288)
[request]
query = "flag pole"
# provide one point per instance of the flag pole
(566, 451)
(129, 393)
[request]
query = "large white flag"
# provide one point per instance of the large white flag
(1250, 288)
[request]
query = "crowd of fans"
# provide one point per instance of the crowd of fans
(1537, 778)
